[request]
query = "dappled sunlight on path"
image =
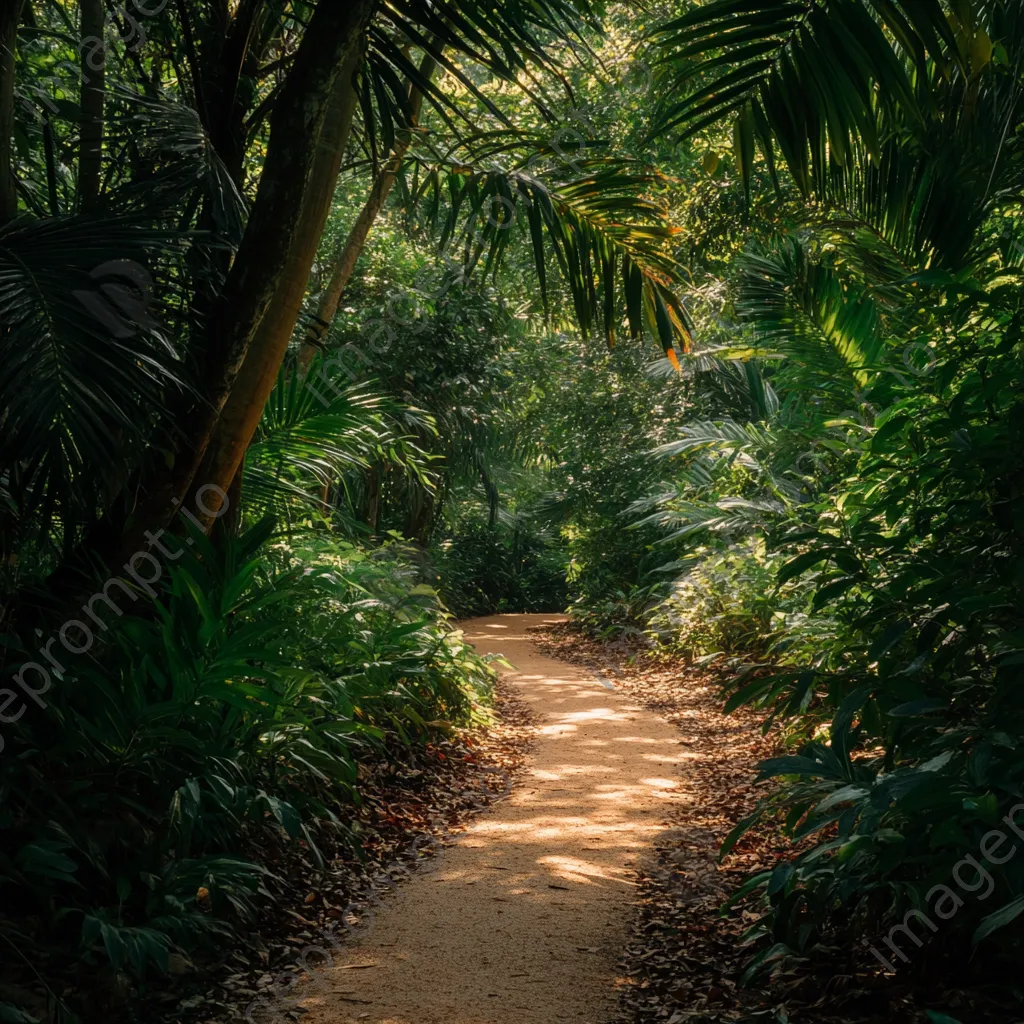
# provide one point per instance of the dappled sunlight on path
(525, 917)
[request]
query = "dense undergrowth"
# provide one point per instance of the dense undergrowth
(880, 597)
(701, 320)
(145, 805)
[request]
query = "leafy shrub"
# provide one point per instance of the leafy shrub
(141, 811)
(724, 601)
(483, 569)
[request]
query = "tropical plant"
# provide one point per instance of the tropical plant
(888, 332)
(144, 810)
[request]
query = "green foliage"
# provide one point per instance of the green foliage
(143, 810)
(326, 432)
(505, 566)
(723, 604)
(828, 489)
(607, 237)
(755, 58)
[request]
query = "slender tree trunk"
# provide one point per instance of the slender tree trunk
(259, 372)
(93, 53)
(262, 262)
(228, 111)
(359, 232)
(372, 498)
(10, 12)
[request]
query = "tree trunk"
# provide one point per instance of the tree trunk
(262, 261)
(228, 107)
(9, 16)
(356, 241)
(258, 374)
(373, 499)
(93, 53)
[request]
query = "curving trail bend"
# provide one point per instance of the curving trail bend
(524, 919)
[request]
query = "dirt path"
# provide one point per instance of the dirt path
(524, 919)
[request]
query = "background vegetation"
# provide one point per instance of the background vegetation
(702, 319)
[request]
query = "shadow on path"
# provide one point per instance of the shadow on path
(524, 919)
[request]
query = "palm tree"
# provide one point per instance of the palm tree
(293, 77)
(286, 80)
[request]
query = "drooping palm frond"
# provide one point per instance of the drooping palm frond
(692, 501)
(528, 42)
(905, 210)
(86, 360)
(314, 437)
(610, 242)
(779, 459)
(921, 199)
(806, 76)
(739, 388)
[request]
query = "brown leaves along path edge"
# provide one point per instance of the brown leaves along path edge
(413, 806)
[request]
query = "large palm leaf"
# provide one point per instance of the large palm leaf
(805, 311)
(172, 162)
(609, 240)
(312, 438)
(86, 361)
(897, 113)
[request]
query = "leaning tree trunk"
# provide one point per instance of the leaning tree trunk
(93, 52)
(263, 262)
(10, 13)
(258, 374)
(356, 240)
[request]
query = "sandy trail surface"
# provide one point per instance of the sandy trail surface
(525, 917)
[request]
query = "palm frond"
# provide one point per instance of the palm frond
(521, 41)
(677, 518)
(610, 242)
(86, 360)
(772, 455)
(805, 76)
(175, 163)
(305, 444)
(742, 440)
(804, 311)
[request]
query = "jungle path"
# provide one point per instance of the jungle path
(524, 918)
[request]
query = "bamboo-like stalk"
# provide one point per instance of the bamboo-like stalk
(93, 56)
(356, 241)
